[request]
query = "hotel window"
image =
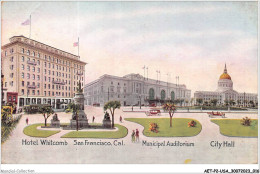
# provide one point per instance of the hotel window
(45, 57)
(12, 59)
(11, 50)
(44, 86)
(69, 69)
(52, 86)
(82, 78)
(49, 72)
(57, 67)
(28, 67)
(38, 70)
(12, 67)
(44, 93)
(69, 82)
(28, 58)
(53, 59)
(62, 93)
(69, 75)
(22, 58)
(45, 71)
(63, 68)
(38, 85)
(33, 69)
(33, 77)
(57, 60)
(66, 75)
(49, 79)
(45, 64)
(22, 83)
(28, 76)
(53, 66)
(33, 92)
(49, 86)
(52, 93)
(60, 67)
(59, 74)
(49, 58)
(22, 91)
(49, 93)
(22, 75)
(22, 50)
(33, 53)
(39, 55)
(69, 87)
(38, 62)
(5, 53)
(28, 92)
(45, 78)
(49, 65)
(5, 84)
(28, 52)
(12, 75)
(22, 66)
(11, 83)
(38, 92)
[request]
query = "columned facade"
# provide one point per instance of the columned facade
(133, 89)
(225, 95)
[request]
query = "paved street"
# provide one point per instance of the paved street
(245, 150)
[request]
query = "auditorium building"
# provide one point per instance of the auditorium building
(133, 89)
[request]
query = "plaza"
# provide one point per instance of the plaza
(204, 151)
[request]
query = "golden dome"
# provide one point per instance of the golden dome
(225, 76)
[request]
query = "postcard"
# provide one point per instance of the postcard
(91, 82)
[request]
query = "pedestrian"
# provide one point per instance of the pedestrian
(93, 119)
(133, 136)
(132, 108)
(137, 135)
(120, 119)
(27, 120)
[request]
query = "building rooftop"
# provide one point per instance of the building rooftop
(42, 46)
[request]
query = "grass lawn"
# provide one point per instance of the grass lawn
(179, 127)
(32, 131)
(233, 127)
(120, 133)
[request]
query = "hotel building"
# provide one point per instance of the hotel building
(36, 73)
(132, 89)
(225, 93)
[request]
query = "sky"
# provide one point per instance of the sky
(192, 40)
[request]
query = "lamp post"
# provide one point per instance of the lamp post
(140, 101)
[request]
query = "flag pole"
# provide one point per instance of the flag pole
(30, 26)
(78, 46)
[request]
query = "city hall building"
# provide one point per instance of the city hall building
(36, 73)
(225, 92)
(132, 89)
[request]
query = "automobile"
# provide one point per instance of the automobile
(216, 114)
(153, 112)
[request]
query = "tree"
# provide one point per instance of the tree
(214, 102)
(252, 103)
(46, 111)
(169, 107)
(226, 102)
(199, 100)
(112, 106)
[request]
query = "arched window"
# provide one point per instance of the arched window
(151, 94)
(172, 95)
(162, 95)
